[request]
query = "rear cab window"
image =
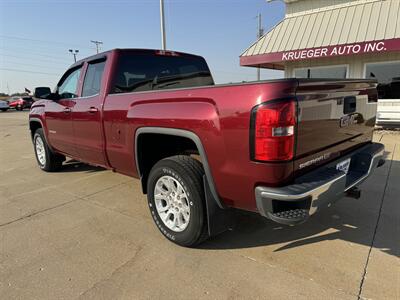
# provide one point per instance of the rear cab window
(137, 71)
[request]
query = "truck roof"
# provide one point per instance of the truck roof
(138, 50)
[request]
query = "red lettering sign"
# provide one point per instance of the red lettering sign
(334, 51)
(321, 52)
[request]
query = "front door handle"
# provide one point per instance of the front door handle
(93, 110)
(67, 110)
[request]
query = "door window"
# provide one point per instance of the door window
(92, 83)
(67, 88)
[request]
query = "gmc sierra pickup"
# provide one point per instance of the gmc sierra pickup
(282, 148)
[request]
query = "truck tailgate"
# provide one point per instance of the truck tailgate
(334, 117)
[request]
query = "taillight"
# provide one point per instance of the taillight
(274, 126)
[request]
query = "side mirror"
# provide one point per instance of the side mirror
(41, 92)
(52, 96)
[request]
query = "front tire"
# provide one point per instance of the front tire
(4, 109)
(47, 160)
(175, 196)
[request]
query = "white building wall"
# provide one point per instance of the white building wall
(356, 64)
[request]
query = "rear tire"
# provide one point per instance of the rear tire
(47, 160)
(175, 196)
(4, 109)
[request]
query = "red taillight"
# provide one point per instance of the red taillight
(274, 131)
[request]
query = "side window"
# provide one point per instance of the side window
(92, 83)
(67, 88)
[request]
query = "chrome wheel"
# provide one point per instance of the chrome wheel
(40, 151)
(172, 203)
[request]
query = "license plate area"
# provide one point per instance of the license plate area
(344, 165)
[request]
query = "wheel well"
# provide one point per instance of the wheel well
(152, 147)
(33, 126)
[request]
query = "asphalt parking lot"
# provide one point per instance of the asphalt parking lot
(87, 233)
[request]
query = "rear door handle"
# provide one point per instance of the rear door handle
(67, 110)
(93, 110)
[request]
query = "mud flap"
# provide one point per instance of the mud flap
(219, 220)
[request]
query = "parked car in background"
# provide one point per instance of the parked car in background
(388, 114)
(20, 102)
(4, 105)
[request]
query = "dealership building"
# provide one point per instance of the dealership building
(334, 39)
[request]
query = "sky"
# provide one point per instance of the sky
(35, 35)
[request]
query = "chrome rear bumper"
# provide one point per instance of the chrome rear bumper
(294, 203)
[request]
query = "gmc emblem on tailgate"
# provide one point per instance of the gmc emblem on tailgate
(348, 120)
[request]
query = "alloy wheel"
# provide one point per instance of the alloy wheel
(172, 203)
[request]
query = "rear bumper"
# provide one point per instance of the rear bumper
(294, 203)
(394, 122)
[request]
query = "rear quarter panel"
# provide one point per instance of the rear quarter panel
(218, 115)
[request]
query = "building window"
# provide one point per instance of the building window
(322, 72)
(388, 76)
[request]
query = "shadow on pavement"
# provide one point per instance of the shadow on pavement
(348, 219)
(252, 230)
(11, 111)
(77, 166)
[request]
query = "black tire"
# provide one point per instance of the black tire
(53, 161)
(189, 173)
(19, 108)
(4, 109)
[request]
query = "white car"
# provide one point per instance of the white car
(388, 114)
(4, 105)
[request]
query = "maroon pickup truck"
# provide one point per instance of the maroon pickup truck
(282, 148)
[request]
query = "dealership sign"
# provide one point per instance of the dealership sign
(334, 51)
(322, 52)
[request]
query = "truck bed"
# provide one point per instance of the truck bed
(220, 116)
